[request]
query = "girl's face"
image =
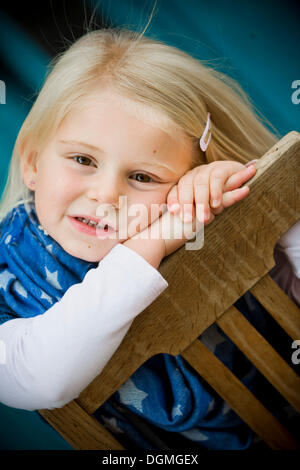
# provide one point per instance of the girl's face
(100, 153)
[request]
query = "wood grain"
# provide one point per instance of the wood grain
(239, 397)
(279, 305)
(262, 355)
(83, 432)
(237, 253)
(203, 284)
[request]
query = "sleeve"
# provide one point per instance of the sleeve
(286, 272)
(290, 244)
(52, 357)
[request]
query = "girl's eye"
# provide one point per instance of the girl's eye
(83, 159)
(144, 175)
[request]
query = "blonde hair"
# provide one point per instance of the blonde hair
(161, 81)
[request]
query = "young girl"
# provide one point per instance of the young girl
(117, 106)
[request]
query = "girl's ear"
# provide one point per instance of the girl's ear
(28, 164)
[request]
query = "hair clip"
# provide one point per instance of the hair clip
(203, 144)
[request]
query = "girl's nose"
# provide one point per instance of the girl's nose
(106, 192)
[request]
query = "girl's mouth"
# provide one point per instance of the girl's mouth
(90, 228)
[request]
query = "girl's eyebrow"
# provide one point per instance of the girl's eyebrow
(98, 149)
(83, 144)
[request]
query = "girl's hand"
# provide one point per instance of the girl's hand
(225, 184)
(215, 185)
(164, 236)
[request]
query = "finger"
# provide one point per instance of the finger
(231, 197)
(235, 181)
(186, 198)
(211, 218)
(220, 173)
(218, 210)
(217, 182)
(201, 191)
(251, 162)
(172, 200)
(199, 217)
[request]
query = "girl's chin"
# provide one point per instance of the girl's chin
(93, 254)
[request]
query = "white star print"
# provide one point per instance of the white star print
(131, 395)
(49, 248)
(42, 228)
(20, 289)
(5, 277)
(7, 240)
(52, 278)
(176, 411)
(211, 405)
(226, 409)
(111, 423)
(45, 296)
(194, 435)
(211, 338)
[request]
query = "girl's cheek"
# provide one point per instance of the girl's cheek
(68, 185)
(141, 209)
(156, 206)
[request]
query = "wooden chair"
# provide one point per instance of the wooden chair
(202, 289)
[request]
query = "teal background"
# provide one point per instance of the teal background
(257, 43)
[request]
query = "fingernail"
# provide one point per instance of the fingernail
(250, 167)
(215, 203)
(206, 216)
(174, 207)
(251, 163)
(187, 217)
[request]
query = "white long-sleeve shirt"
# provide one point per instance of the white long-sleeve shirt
(286, 273)
(51, 358)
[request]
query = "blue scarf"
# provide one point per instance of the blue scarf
(35, 271)
(164, 404)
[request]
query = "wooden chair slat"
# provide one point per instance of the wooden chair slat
(242, 401)
(262, 355)
(81, 431)
(278, 304)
